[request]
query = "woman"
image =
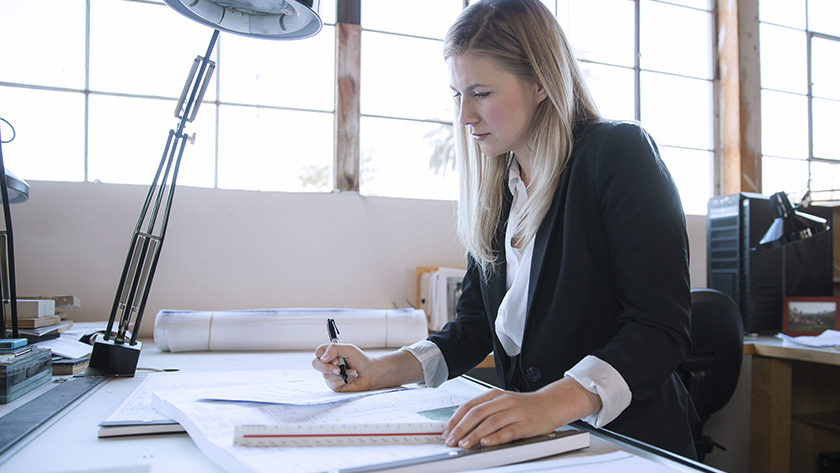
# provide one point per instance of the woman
(577, 274)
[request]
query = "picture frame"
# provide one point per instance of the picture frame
(810, 315)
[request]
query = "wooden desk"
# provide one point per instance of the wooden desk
(68, 442)
(795, 405)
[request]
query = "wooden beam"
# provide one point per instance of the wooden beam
(348, 37)
(739, 169)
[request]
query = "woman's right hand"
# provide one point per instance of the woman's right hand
(359, 367)
(365, 372)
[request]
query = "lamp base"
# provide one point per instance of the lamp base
(109, 358)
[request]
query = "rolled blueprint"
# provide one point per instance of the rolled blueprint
(285, 329)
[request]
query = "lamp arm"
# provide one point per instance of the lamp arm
(144, 250)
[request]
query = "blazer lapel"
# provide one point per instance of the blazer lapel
(497, 285)
(543, 237)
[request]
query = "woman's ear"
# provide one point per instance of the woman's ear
(541, 93)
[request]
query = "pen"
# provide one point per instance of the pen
(332, 330)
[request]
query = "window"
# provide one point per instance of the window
(654, 66)
(105, 92)
(800, 97)
(406, 104)
(98, 102)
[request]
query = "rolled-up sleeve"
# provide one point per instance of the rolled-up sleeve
(598, 377)
(435, 371)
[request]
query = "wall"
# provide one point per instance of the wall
(232, 249)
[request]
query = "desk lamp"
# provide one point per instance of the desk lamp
(115, 353)
(789, 224)
(12, 190)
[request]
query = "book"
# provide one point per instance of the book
(32, 335)
(65, 366)
(34, 308)
(23, 371)
(63, 301)
(48, 331)
(39, 322)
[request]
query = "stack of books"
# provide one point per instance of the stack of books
(42, 317)
(22, 368)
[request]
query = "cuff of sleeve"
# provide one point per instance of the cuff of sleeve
(599, 377)
(435, 370)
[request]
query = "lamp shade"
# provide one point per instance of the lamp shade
(790, 225)
(17, 187)
(268, 19)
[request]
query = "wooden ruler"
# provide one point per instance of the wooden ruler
(297, 435)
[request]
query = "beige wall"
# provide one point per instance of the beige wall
(240, 250)
(232, 249)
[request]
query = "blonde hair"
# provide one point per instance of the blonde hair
(523, 37)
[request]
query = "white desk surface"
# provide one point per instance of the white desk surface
(68, 442)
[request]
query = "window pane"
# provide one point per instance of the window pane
(31, 53)
(275, 150)
(783, 12)
(783, 59)
(296, 74)
(784, 125)
(700, 4)
(824, 16)
(430, 19)
(404, 77)
(826, 127)
(825, 68)
(612, 89)
(676, 39)
(784, 175)
(327, 11)
(128, 136)
(552, 5)
(825, 181)
(691, 170)
(587, 20)
(677, 110)
(398, 160)
(47, 146)
(143, 48)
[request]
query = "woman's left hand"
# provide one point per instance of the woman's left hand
(497, 417)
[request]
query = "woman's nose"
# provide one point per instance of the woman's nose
(466, 115)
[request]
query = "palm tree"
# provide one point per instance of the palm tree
(443, 156)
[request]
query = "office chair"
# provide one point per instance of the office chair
(710, 373)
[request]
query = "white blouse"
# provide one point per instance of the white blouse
(594, 374)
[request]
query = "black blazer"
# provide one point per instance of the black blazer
(609, 278)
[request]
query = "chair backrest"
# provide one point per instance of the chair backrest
(717, 334)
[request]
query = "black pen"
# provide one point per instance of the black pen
(332, 330)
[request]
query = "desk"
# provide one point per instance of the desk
(795, 405)
(68, 441)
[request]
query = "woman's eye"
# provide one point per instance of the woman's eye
(481, 95)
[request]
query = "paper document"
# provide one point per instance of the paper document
(66, 347)
(211, 426)
(136, 415)
(828, 339)
(309, 390)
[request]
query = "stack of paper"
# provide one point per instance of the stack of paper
(439, 292)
